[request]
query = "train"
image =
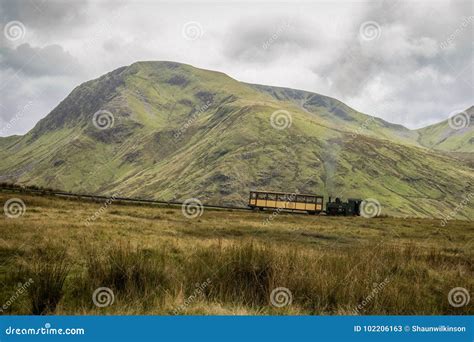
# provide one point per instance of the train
(312, 204)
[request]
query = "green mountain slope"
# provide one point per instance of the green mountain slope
(339, 116)
(181, 132)
(442, 136)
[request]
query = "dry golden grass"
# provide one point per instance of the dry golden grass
(157, 261)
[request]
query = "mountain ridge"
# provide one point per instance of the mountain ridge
(262, 86)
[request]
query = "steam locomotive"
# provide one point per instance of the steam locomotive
(339, 208)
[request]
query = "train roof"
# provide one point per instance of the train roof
(285, 193)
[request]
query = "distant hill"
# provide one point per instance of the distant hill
(181, 132)
(444, 137)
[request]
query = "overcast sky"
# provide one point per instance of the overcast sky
(408, 62)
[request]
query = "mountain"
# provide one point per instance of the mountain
(340, 116)
(174, 132)
(444, 137)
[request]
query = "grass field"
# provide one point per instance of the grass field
(54, 259)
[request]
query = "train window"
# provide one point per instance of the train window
(311, 199)
(253, 195)
(319, 200)
(283, 198)
(301, 199)
(271, 197)
(261, 196)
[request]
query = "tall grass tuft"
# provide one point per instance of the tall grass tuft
(48, 268)
(127, 270)
(241, 274)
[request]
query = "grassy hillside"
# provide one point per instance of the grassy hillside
(157, 261)
(181, 132)
(339, 116)
(442, 136)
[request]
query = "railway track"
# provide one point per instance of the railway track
(97, 198)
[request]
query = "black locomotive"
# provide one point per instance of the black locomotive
(340, 208)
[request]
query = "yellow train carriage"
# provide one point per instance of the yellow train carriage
(286, 201)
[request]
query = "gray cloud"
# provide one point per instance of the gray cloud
(406, 74)
(25, 100)
(45, 15)
(267, 40)
(417, 71)
(32, 81)
(35, 62)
